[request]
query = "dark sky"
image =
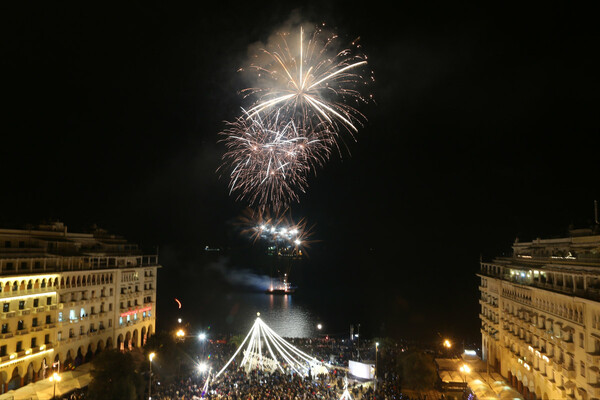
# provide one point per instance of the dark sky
(485, 128)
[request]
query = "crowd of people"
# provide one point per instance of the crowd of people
(238, 384)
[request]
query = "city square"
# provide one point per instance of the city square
(299, 201)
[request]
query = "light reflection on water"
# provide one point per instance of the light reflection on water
(281, 312)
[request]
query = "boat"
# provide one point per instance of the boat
(281, 287)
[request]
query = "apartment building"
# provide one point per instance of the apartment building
(66, 296)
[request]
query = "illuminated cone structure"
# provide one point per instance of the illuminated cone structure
(268, 352)
(346, 394)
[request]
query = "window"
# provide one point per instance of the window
(34, 321)
(47, 339)
(2, 350)
(19, 346)
(5, 307)
(21, 244)
(21, 304)
(582, 371)
(59, 336)
(48, 301)
(4, 328)
(48, 319)
(581, 339)
(20, 325)
(33, 342)
(36, 302)
(7, 244)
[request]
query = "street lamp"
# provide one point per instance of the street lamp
(447, 344)
(150, 357)
(55, 378)
(464, 369)
(319, 326)
(202, 336)
(376, 371)
(202, 367)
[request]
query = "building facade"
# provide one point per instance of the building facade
(66, 296)
(540, 316)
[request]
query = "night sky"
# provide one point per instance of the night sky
(485, 128)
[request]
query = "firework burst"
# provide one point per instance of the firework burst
(269, 158)
(305, 93)
(279, 229)
(311, 81)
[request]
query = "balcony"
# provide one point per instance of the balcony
(595, 389)
(569, 373)
(567, 346)
(23, 312)
(8, 315)
(593, 358)
(557, 367)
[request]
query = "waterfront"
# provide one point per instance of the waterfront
(335, 288)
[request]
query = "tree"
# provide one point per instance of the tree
(115, 376)
(418, 371)
(236, 340)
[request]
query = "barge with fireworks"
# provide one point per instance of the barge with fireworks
(283, 286)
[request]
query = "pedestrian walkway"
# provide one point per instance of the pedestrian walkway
(483, 384)
(44, 389)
